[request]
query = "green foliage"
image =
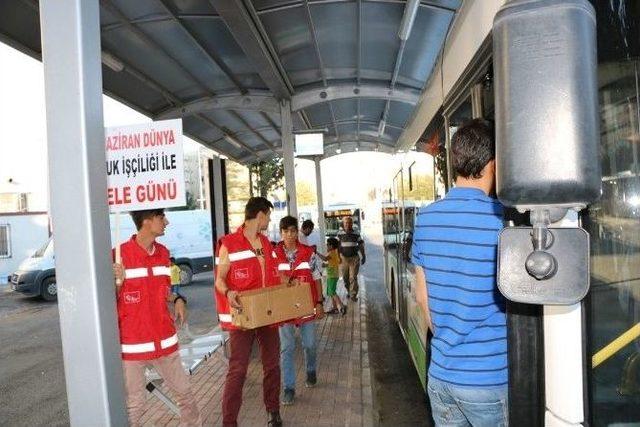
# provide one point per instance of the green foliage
(237, 182)
(267, 176)
(422, 187)
(305, 194)
(191, 204)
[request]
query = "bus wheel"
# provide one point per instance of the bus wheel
(186, 274)
(49, 289)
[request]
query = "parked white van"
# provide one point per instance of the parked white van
(188, 238)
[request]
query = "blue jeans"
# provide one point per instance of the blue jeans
(288, 350)
(457, 406)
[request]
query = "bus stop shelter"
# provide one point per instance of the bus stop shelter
(244, 76)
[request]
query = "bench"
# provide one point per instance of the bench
(193, 353)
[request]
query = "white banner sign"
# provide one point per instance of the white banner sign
(145, 166)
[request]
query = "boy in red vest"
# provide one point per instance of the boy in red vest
(147, 331)
(298, 262)
(245, 260)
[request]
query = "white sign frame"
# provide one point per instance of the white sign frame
(145, 166)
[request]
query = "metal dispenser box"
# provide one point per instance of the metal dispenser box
(546, 96)
(547, 144)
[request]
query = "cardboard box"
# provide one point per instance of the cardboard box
(275, 304)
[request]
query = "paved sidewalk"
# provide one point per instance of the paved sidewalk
(341, 398)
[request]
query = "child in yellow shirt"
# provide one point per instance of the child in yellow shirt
(175, 276)
(333, 272)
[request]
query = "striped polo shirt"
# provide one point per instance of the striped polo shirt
(455, 241)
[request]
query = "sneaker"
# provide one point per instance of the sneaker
(289, 397)
(343, 310)
(311, 380)
(274, 419)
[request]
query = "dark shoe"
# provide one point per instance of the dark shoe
(332, 311)
(311, 380)
(274, 419)
(343, 310)
(289, 397)
(354, 298)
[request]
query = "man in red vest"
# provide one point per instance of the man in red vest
(245, 260)
(147, 331)
(298, 262)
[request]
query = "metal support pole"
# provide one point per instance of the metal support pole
(217, 205)
(322, 246)
(78, 183)
(564, 359)
(288, 153)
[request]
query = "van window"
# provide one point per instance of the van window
(40, 252)
(5, 241)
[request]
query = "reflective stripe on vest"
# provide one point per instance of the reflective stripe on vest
(284, 267)
(136, 273)
(348, 244)
(161, 271)
(303, 266)
(238, 256)
(149, 346)
(224, 318)
(168, 342)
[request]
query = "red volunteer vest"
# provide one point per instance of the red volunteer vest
(245, 272)
(301, 270)
(147, 330)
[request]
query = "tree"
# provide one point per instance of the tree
(305, 194)
(267, 176)
(422, 187)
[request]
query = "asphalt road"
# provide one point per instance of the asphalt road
(32, 385)
(398, 397)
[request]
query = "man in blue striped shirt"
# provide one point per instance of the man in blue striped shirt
(454, 251)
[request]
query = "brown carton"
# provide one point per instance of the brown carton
(275, 304)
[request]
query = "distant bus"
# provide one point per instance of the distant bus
(334, 214)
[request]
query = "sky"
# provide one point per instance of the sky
(23, 158)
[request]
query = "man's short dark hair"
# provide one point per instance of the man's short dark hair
(333, 243)
(255, 205)
(472, 147)
(288, 221)
(307, 223)
(138, 217)
(172, 260)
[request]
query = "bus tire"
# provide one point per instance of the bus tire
(49, 289)
(186, 274)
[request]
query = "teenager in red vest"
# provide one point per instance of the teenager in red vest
(147, 331)
(245, 260)
(298, 262)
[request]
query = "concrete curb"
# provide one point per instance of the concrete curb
(367, 392)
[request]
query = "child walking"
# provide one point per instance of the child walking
(333, 272)
(175, 277)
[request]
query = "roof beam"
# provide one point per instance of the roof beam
(154, 45)
(246, 28)
(353, 138)
(321, 95)
(211, 56)
(297, 4)
(355, 121)
(254, 101)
